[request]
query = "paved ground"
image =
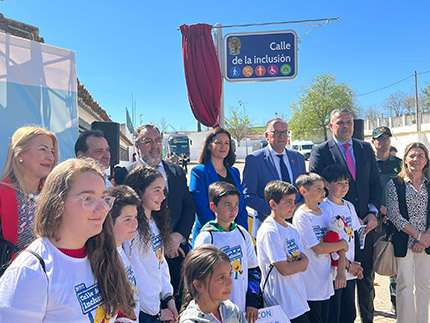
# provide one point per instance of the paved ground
(382, 299)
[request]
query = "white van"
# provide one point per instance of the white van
(303, 147)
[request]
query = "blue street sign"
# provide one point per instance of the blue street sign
(260, 56)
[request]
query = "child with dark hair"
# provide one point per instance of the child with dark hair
(342, 303)
(312, 226)
(280, 254)
(125, 213)
(146, 251)
(236, 242)
(207, 276)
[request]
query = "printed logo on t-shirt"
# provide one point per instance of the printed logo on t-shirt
(157, 248)
(293, 249)
(348, 230)
(235, 254)
(319, 232)
(131, 278)
(90, 299)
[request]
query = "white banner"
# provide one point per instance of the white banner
(272, 314)
(38, 87)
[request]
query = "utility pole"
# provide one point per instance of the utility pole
(417, 116)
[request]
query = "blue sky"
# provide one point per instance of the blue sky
(126, 47)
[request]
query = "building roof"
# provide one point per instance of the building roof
(20, 29)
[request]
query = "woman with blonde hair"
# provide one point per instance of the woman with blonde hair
(83, 278)
(408, 209)
(32, 154)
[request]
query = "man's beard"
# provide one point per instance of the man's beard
(152, 161)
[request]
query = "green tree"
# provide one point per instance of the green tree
(236, 122)
(425, 98)
(311, 112)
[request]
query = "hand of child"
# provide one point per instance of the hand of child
(289, 259)
(167, 316)
(340, 281)
(251, 314)
(356, 270)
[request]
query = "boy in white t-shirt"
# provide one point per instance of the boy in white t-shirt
(342, 303)
(312, 226)
(236, 242)
(280, 254)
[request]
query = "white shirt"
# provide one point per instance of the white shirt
(151, 270)
(317, 277)
(276, 162)
(347, 212)
(132, 279)
(274, 243)
(242, 257)
(65, 293)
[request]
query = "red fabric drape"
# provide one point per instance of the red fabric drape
(202, 73)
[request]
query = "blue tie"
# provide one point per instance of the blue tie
(284, 170)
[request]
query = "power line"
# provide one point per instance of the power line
(395, 83)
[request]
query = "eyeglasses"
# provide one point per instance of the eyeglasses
(90, 202)
(149, 141)
(278, 133)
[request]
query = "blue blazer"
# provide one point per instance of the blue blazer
(200, 178)
(260, 170)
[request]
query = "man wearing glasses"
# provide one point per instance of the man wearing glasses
(179, 200)
(389, 166)
(274, 162)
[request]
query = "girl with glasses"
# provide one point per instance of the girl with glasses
(80, 276)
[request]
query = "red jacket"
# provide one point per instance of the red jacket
(9, 213)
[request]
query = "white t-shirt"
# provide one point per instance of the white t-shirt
(347, 212)
(274, 243)
(151, 270)
(67, 291)
(242, 257)
(317, 277)
(132, 279)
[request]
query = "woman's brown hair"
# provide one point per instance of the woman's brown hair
(101, 250)
(205, 155)
(405, 172)
(198, 265)
(139, 179)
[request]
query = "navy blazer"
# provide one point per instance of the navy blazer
(200, 178)
(367, 188)
(260, 170)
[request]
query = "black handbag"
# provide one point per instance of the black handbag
(7, 249)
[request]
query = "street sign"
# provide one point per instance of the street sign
(260, 56)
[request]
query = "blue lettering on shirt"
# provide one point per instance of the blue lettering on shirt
(319, 232)
(233, 252)
(291, 247)
(156, 242)
(89, 297)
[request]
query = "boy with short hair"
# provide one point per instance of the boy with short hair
(312, 226)
(280, 254)
(342, 303)
(236, 242)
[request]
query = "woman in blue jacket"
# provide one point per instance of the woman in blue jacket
(216, 164)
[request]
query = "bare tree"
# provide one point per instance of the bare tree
(395, 103)
(373, 113)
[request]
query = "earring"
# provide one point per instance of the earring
(20, 161)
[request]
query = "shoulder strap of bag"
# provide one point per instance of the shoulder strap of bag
(265, 281)
(243, 235)
(41, 261)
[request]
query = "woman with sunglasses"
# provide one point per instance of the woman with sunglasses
(80, 277)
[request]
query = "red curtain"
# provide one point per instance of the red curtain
(202, 73)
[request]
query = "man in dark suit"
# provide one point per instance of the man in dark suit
(179, 199)
(273, 162)
(365, 192)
